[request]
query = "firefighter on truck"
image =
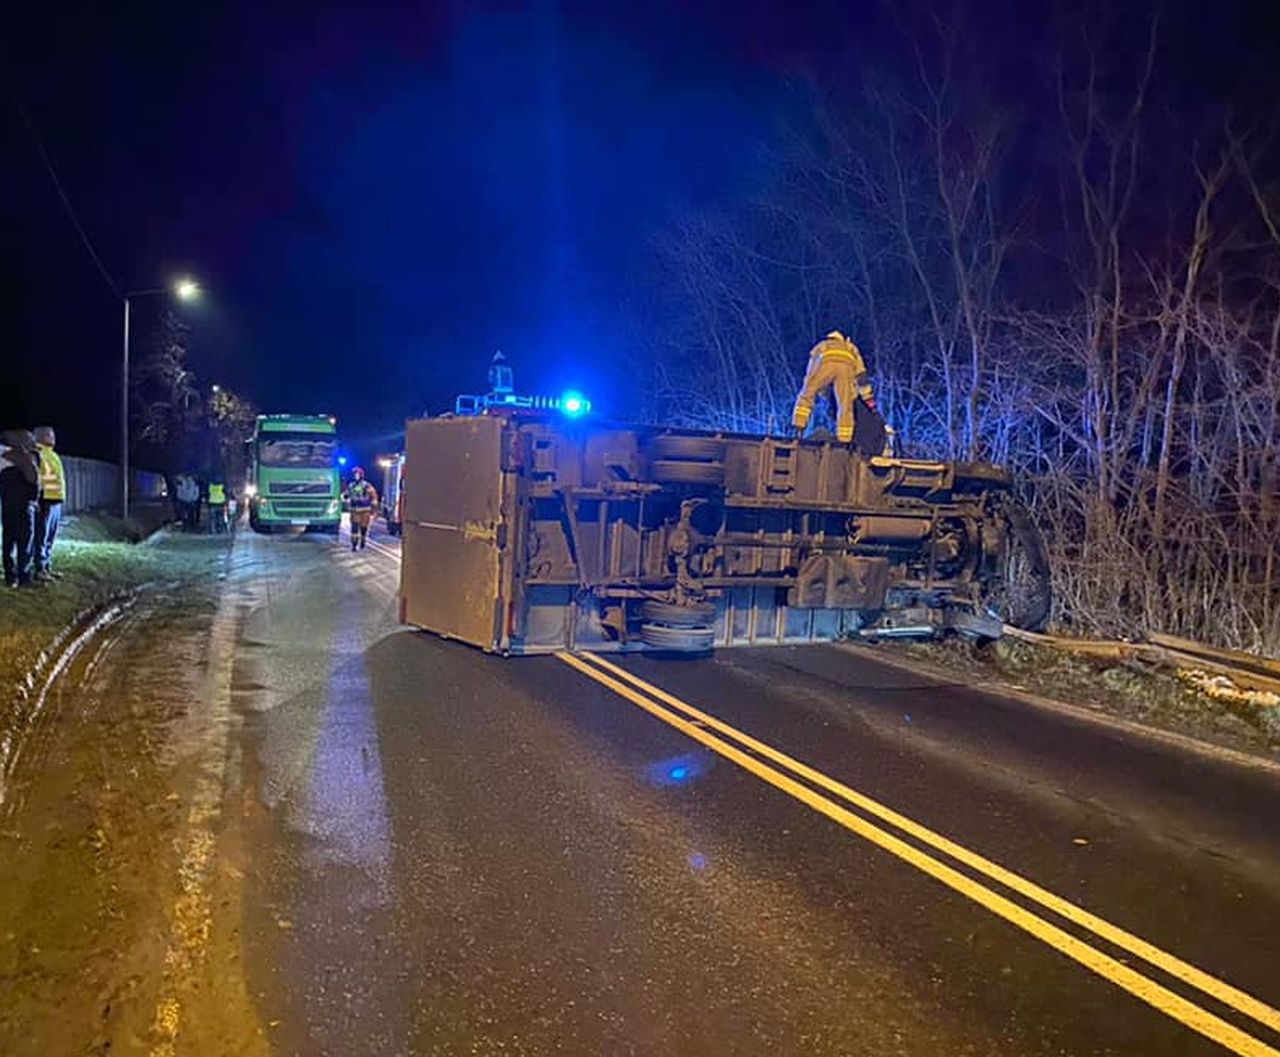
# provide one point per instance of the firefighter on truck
(836, 364)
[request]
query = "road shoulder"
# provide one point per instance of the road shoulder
(1213, 732)
(96, 834)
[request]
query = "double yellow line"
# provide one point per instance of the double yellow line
(830, 797)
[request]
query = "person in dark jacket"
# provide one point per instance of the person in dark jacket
(19, 498)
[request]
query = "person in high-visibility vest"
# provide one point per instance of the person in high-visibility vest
(835, 363)
(217, 505)
(53, 490)
(362, 500)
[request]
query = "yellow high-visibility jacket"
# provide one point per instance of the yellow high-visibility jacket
(53, 478)
(833, 349)
(217, 494)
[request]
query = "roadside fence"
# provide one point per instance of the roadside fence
(93, 484)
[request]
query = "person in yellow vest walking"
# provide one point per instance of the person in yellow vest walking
(835, 363)
(217, 505)
(53, 490)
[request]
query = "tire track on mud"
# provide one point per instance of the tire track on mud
(24, 733)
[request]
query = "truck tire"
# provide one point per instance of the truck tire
(1026, 587)
(694, 449)
(678, 640)
(672, 471)
(695, 615)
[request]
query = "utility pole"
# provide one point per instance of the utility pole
(124, 416)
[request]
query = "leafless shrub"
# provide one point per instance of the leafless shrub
(1134, 385)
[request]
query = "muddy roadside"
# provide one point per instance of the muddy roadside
(119, 911)
(100, 561)
(1186, 703)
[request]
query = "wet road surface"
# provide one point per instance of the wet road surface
(445, 852)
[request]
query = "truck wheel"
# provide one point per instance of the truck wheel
(671, 471)
(698, 449)
(1025, 590)
(678, 640)
(695, 615)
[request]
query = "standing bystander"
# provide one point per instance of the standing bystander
(188, 497)
(53, 490)
(19, 494)
(217, 505)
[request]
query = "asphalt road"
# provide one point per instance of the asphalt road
(781, 851)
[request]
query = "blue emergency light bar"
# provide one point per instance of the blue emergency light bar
(571, 403)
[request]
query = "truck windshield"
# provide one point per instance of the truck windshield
(306, 450)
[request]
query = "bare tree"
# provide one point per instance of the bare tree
(1134, 386)
(165, 400)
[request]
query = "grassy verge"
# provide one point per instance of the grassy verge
(1185, 702)
(96, 569)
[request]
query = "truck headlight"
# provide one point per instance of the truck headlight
(251, 490)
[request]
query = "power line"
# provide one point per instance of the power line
(66, 202)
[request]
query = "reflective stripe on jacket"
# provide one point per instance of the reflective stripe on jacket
(361, 495)
(53, 478)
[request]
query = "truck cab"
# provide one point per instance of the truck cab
(293, 474)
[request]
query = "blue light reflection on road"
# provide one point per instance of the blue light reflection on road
(678, 770)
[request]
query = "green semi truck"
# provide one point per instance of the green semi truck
(293, 474)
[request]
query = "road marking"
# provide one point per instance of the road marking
(191, 913)
(694, 723)
(384, 549)
(1161, 959)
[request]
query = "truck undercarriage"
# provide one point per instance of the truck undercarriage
(531, 534)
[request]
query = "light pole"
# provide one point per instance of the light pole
(184, 290)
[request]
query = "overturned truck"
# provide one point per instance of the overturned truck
(525, 534)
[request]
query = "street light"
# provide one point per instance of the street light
(184, 289)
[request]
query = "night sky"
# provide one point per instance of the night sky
(378, 196)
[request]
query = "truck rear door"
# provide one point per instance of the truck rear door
(450, 576)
